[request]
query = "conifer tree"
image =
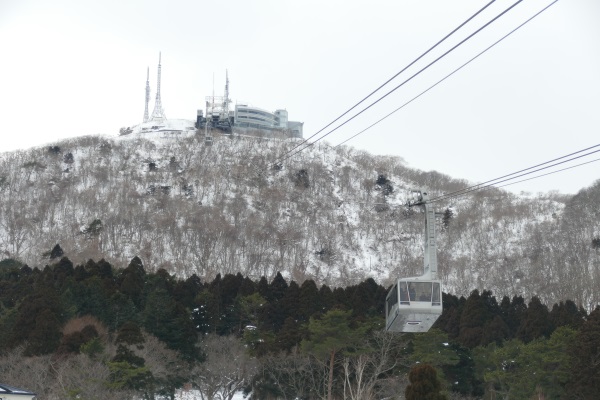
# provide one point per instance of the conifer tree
(131, 281)
(585, 359)
(329, 336)
(536, 322)
(424, 384)
(309, 303)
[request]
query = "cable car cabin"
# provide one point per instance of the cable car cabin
(413, 305)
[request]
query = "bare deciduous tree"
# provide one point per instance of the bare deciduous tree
(228, 367)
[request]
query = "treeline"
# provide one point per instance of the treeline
(96, 331)
(333, 215)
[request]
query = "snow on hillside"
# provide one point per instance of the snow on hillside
(335, 215)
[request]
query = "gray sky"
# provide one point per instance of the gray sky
(76, 67)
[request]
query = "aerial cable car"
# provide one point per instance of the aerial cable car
(414, 304)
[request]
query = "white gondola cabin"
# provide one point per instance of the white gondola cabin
(414, 304)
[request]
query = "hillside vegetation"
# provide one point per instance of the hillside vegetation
(333, 215)
(99, 331)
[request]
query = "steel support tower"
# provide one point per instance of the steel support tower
(146, 116)
(158, 114)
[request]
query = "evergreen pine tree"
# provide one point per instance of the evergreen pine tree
(567, 314)
(56, 252)
(329, 336)
(474, 316)
(309, 302)
(424, 384)
(536, 322)
(277, 288)
(131, 282)
(585, 359)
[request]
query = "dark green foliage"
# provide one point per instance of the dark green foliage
(185, 291)
(279, 317)
(384, 185)
(94, 228)
(290, 302)
(54, 150)
(131, 281)
(449, 321)
(56, 252)
(424, 384)
(301, 179)
(38, 323)
(263, 288)
(90, 297)
(330, 335)
(447, 218)
(366, 298)
(166, 319)
(277, 288)
(247, 287)
(567, 314)
(512, 313)
(326, 298)
(536, 322)
(289, 335)
(473, 319)
(10, 263)
(68, 158)
(130, 334)
(585, 359)
(308, 300)
(119, 309)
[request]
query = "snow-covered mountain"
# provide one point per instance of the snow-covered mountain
(335, 215)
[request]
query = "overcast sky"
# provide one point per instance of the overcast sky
(76, 67)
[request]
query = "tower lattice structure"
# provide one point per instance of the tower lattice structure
(158, 114)
(146, 116)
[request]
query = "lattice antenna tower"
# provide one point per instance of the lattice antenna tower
(226, 97)
(146, 116)
(158, 114)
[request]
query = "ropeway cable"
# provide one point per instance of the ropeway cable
(518, 174)
(549, 173)
(447, 76)
(393, 77)
(406, 81)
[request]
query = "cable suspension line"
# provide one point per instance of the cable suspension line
(520, 173)
(446, 77)
(393, 77)
(549, 173)
(409, 79)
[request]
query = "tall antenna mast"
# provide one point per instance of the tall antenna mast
(158, 114)
(212, 110)
(146, 117)
(226, 99)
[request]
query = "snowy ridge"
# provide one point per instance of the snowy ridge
(190, 208)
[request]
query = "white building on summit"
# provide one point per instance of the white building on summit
(245, 116)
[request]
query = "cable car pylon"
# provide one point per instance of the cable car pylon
(413, 304)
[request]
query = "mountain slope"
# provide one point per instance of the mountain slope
(335, 215)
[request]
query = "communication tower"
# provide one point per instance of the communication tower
(158, 114)
(146, 117)
(217, 108)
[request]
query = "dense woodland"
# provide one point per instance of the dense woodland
(270, 277)
(96, 331)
